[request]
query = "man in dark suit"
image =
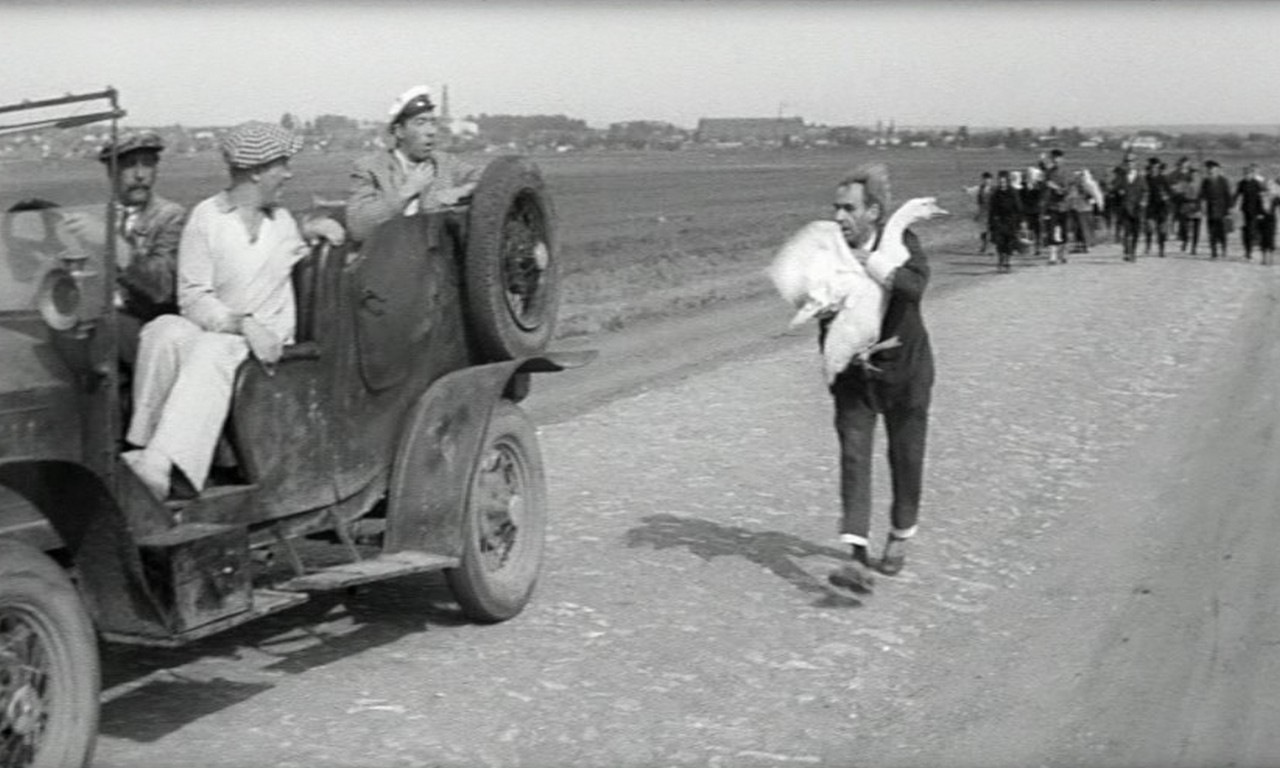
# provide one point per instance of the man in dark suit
(1249, 194)
(897, 383)
(1131, 189)
(1215, 193)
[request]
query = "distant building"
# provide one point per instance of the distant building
(1146, 143)
(749, 130)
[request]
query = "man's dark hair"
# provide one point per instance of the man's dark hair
(874, 180)
(986, 174)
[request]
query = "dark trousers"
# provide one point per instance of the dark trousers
(856, 425)
(1217, 236)
(1157, 227)
(1192, 233)
(1130, 227)
(1250, 233)
(1267, 233)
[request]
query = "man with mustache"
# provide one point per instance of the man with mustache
(149, 228)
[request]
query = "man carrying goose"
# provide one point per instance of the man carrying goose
(878, 361)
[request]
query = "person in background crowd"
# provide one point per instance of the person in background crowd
(1132, 188)
(1215, 196)
(1191, 210)
(1054, 207)
(1005, 220)
(148, 229)
(1159, 194)
(1115, 197)
(1179, 190)
(1267, 223)
(1248, 195)
(898, 384)
(411, 177)
(1032, 193)
(982, 196)
(1079, 202)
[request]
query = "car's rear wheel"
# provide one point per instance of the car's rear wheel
(506, 521)
(49, 678)
(511, 269)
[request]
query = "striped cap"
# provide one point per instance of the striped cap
(256, 143)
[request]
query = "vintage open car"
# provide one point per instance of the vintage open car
(389, 441)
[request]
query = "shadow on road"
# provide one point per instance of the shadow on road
(325, 629)
(773, 550)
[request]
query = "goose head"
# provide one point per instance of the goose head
(919, 209)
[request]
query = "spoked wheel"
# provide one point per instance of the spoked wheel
(526, 261)
(506, 521)
(49, 678)
(512, 274)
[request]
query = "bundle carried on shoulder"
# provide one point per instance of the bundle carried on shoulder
(819, 274)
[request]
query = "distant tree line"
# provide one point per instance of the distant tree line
(532, 133)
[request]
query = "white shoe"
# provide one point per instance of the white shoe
(152, 469)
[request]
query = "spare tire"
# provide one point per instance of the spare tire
(510, 267)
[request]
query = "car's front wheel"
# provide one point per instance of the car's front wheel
(506, 521)
(49, 678)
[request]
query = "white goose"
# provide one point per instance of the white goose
(819, 274)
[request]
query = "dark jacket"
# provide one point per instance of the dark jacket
(905, 378)
(1133, 194)
(1249, 195)
(1216, 194)
(1005, 212)
(148, 282)
(1159, 196)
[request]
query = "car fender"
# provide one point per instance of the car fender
(93, 530)
(439, 446)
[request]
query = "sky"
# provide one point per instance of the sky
(1023, 64)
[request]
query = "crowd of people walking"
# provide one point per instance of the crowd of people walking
(1044, 208)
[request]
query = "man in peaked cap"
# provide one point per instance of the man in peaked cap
(412, 176)
(148, 230)
(235, 294)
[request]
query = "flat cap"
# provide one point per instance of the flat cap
(131, 141)
(412, 102)
(256, 143)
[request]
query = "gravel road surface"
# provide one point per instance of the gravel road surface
(1094, 583)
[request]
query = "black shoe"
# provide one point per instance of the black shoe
(895, 556)
(853, 576)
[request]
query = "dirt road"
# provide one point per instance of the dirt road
(1094, 583)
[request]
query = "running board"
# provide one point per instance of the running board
(384, 566)
(265, 602)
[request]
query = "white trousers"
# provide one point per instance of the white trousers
(182, 392)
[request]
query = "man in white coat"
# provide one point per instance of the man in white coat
(235, 295)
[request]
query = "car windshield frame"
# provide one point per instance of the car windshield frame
(33, 238)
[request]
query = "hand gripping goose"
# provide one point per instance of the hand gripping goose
(821, 275)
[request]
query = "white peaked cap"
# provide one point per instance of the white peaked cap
(407, 98)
